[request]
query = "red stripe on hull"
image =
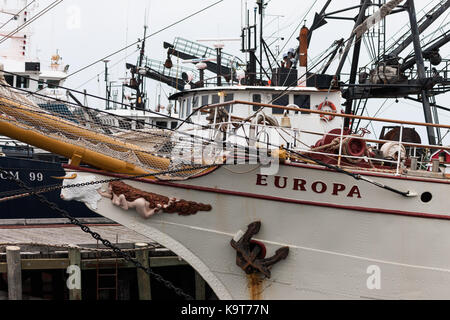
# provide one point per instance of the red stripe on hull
(271, 198)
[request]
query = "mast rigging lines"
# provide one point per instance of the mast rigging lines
(147, 37)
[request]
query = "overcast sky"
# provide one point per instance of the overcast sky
(86, 30)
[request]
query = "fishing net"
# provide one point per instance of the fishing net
(106, 135)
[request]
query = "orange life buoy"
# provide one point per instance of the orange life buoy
(327, 104)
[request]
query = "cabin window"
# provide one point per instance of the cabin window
(173, 125)
(205, 100)
(279, 100)
(195, 100)
(303, 101)
(215, 99)
(161, 124)
(257, 99)
(188, 107)
(182, 108)
(52, 83)
(9, 79)
(229, 97)
(22, 82)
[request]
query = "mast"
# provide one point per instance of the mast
(421, 69)
(261, 6)
(249, 40)
(355, 60)
(140, 99)
(108, 92)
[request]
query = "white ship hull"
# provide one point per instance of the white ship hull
(361, 242)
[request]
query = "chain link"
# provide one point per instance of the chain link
(95, 235)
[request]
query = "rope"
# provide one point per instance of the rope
(336, 168)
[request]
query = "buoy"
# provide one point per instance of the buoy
(327, 104)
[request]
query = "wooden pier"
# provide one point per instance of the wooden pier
(57, 261)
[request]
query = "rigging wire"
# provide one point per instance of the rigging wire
(103, 71)
(15, 15)
(147, 37)
(34, 18)
(319, 162)
(298, 26)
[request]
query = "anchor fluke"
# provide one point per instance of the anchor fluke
(250, 254)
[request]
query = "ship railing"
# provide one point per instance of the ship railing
(291, 136)
(264, 131)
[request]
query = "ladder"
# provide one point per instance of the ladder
(202, 51)
(174, 72)
(103, 285)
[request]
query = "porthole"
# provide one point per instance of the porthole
(426, 197)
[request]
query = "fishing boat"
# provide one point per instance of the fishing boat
(268, 188)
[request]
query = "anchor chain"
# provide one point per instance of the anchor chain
(98, 237)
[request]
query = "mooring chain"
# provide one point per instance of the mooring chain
(97, 236)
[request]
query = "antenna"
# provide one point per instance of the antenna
(219, 45)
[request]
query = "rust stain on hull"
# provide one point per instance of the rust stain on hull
(255, 286)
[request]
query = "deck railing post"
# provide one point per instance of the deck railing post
(400, 146)
(340, 143)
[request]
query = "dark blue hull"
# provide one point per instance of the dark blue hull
(35, 173)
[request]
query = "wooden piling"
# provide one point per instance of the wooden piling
(143, 278)
(14, 268)
(200, 287)
(75, 260)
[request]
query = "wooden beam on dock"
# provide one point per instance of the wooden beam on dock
(75, 260)
(14, 273)
(39, 264)
(108, 263)
(91, 264)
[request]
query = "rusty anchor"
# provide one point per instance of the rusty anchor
(250, 254)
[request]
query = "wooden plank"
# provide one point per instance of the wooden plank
(75, 278)
(110, 263)
(14, 273)
(39, 264)
(143, 278)
(90, 264)
(166, 262)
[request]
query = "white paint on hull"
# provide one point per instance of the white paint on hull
(330, 249)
